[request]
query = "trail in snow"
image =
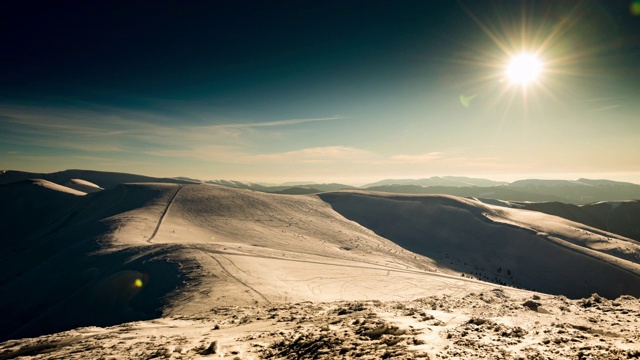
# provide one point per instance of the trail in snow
(208, 253)
(166, 210)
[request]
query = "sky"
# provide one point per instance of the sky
(324, 91)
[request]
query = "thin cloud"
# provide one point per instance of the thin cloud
(604, 108)
(208, 153)
(599, 99)
(277, 123)
(145, 133)
(601, 104)
(417, 159)
(326, 154)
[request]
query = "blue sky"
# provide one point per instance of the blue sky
(331, 91)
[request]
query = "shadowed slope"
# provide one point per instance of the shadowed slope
(30, 204)
(522, 248)
(64, 271)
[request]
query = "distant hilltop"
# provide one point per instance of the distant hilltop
(580, 191)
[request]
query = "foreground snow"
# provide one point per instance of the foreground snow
(495, 324)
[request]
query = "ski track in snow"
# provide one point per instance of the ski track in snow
(209, 254)
(164, 213)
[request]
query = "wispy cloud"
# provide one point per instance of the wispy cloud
(417, 159)
(276, 123)
(326, 154)
(207, 153)
(604, 108)
(601, 104)
(600, 99)
(144, 133)
(139, 142)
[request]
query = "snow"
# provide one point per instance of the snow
(53, 186)
(491, 324)
(512, 246)
(217, 272)
(624, 249)
(83, 185)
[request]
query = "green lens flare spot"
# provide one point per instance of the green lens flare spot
(137, 283)
(634, 8)
(466, 100)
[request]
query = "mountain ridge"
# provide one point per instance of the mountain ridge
(164, 247)
(580, 191)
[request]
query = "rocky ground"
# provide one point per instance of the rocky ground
(488, 325)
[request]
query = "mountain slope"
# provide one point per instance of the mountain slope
(619, 217)
(29, 204)
(64, 272)
(287, 188)
(493, 192)
(288, 248)
(103, 179)
(517, 247)
(579, 191)
(138, 251)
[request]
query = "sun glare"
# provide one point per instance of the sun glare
(523, 69)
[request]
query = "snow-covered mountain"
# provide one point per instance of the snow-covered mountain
(171, 251)
(517, 247)
(287, 188)
(102, 179)
(619, 217)
(581, 191)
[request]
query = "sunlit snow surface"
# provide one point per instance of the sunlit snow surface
(268, 269)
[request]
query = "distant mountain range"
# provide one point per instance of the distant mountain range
(581, 191)
(290, 188)
(452, 181)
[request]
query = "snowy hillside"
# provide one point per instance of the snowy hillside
(185, 253)
(517, 247)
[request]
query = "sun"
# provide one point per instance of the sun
(524, 69)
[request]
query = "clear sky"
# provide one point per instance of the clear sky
(326, 91)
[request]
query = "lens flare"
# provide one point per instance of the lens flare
(524, 68)
(466, 100)
(634, 8)
(138, 283)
